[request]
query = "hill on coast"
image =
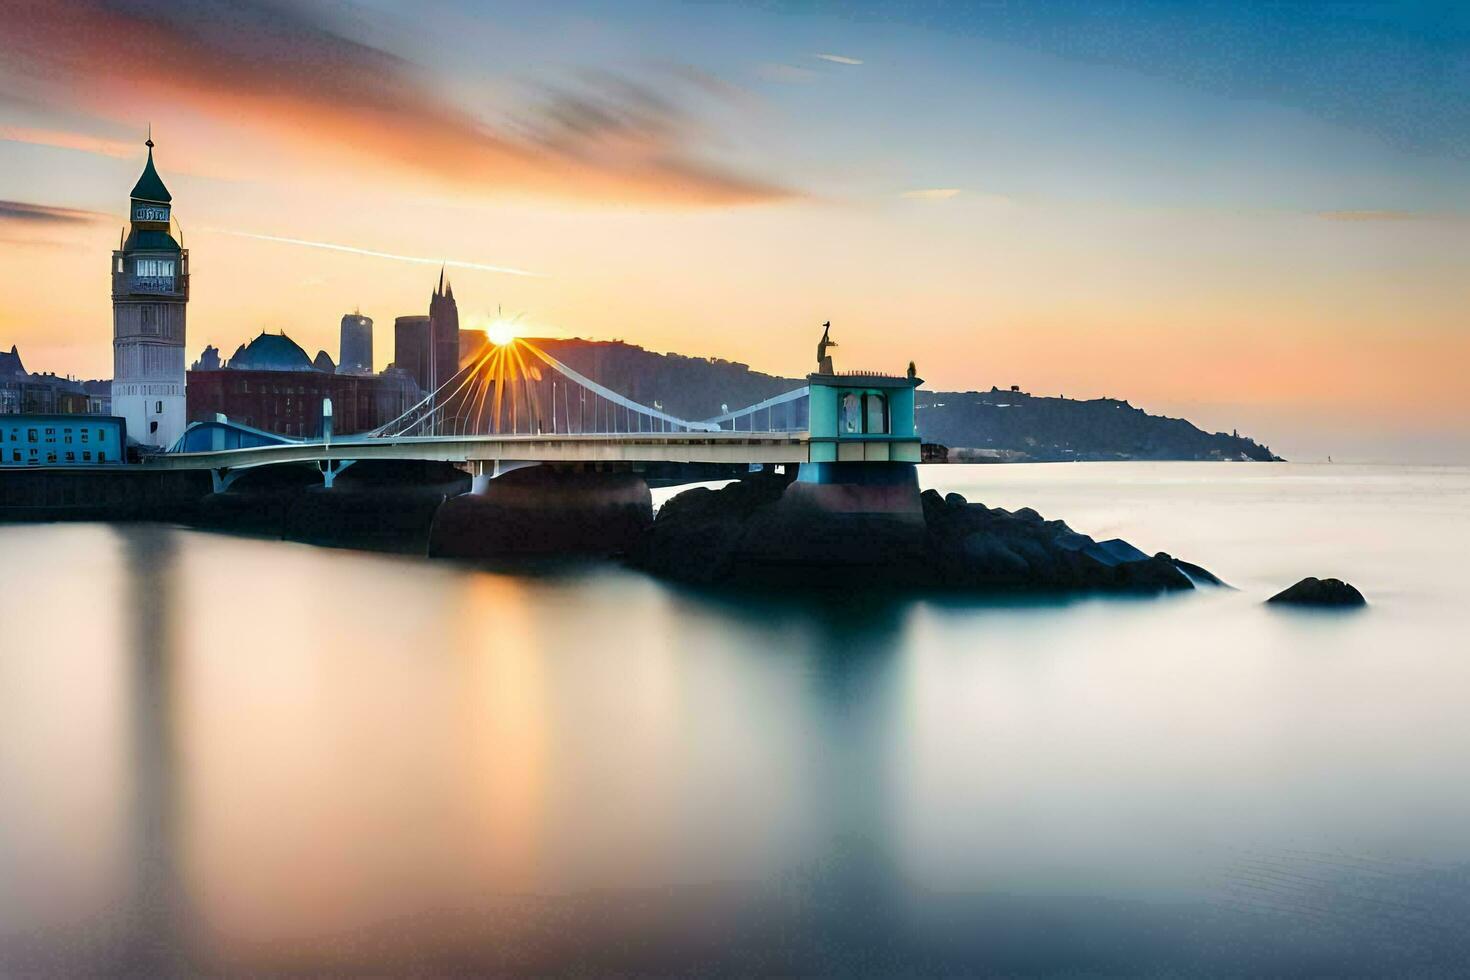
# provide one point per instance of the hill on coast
(976, 425)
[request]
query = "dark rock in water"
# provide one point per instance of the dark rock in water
(1200, 576)
(1115, 550)
(763, 530)
(766, 530)
(1320, 592)
(974, 547)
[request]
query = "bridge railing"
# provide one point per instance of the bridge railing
(787, 412)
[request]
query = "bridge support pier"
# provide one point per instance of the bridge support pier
(482, 471)
(859, 522)
(890, 489)
(221, 479)
(330, 469)
(544, 510)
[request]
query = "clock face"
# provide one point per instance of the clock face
(150, 212)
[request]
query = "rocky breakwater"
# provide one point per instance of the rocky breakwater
(972, 546)
(762, 531)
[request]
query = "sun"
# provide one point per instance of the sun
(500, 332)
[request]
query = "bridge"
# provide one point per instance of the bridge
(515, 404)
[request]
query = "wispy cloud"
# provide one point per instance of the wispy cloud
(353, 250)
(777, 72)
(67, 141)
(41, 214)
(285, 71)
(840, 59)
(1372, 215)
(931, 194)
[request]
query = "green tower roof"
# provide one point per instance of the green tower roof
(150, 186)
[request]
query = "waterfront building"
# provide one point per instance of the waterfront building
(62, 440)
(271, 384)
(150, 291)
(23, 392)
(861, 416)
(11, 366)
(412, 352)
(355, 352)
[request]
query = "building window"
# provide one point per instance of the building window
(84, 435)
(158, 408)
(119, 263)
(30, 435)
(71, 457)
(15, 455)
(101, 457)
(99, 435)
(86, 455)
(852, 413)
(51, 456)
(155, 267)
(877, 414)
(67, 438)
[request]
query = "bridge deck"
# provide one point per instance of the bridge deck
(646, 447)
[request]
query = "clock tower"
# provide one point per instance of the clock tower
(150, 289)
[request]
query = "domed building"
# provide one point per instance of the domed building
(270, 352)
(271, 383)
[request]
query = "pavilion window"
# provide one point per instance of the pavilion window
(876, 414)
(852, 413)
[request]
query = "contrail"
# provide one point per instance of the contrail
(330, 246)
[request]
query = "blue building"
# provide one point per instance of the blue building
(62, 440)
(863, 417)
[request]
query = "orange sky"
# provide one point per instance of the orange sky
(1245, 265)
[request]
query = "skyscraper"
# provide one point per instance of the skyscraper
(412, 351)
(355, 354)
(150, 288)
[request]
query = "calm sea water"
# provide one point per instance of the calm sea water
(232, 755)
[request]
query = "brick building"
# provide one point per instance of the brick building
(272, 384)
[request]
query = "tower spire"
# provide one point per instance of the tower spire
(150, 186)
